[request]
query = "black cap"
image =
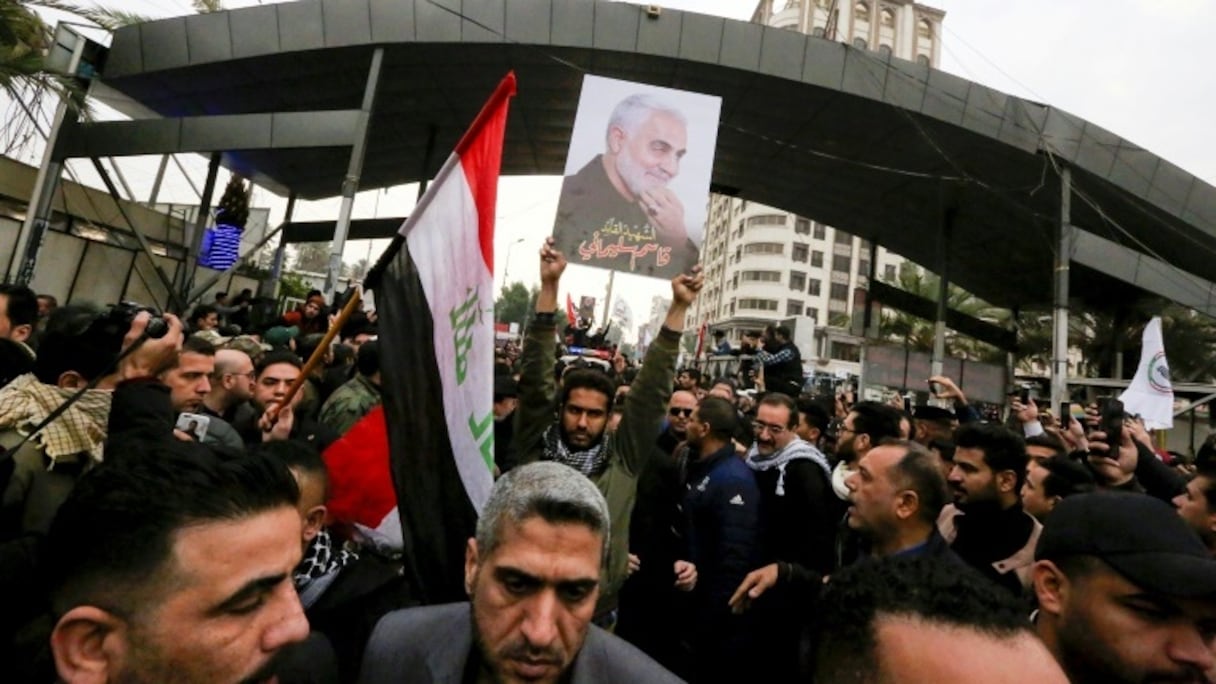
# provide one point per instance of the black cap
(1142, 538)
(505, 386)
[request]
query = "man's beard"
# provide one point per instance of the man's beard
(634, 175)
(517, 649)
(595, 440)
(1086, 659)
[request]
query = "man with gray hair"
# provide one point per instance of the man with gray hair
(618, 211)
(532, 574)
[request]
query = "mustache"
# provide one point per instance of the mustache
(520, 649)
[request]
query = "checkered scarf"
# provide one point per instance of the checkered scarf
(320, 560)
(590, 462)
(25, 402)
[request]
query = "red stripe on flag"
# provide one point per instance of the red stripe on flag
(481, 157)
(360, 480)
(570, 317)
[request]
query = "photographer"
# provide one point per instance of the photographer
(79, 348)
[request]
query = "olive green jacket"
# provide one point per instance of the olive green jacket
(628, 449)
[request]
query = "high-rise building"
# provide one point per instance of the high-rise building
(763, 264)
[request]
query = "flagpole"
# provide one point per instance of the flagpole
(318, 354)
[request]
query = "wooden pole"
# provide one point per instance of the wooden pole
(317, 354)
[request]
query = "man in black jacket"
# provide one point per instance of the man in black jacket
(798, 514)
(782, 362)
(722, 509)
(986, 525)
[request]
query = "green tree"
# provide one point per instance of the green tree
(513, 305)
(233, 207)
(292, 285)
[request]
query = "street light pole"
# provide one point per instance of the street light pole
(506, 267)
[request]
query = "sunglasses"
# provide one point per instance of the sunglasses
(674, 411)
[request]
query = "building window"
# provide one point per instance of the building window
(820, 231)
(802, 226)
(839, 291)
(887, 17)
(766, 220)
(815, 287)
(888, 273)
(762, 276)
(764, 248)
(863, 267)
(813, 313)
(817, 259)
(924, 29)
(758, 304)
(840, 263)
(861, 12)
(865, 245)
(799, 253)
(734, 282)
(843, 238)
(797, 280)
(842, 351)
(793, 307)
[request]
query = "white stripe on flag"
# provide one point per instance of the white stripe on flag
(444, 244)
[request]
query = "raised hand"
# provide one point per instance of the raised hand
(552, 263)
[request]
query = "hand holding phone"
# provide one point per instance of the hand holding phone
(1112, 423)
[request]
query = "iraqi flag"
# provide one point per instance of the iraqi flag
(435, 300)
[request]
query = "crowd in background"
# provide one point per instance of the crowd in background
(164, 516)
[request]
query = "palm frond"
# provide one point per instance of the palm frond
(107, 18)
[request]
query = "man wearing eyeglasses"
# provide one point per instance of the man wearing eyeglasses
(231, 384)
(798, 520)
(679, 409)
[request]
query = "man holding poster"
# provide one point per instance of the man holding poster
(619, 210)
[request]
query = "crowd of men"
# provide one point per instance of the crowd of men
(164, 518)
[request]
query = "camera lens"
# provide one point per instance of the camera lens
(157, 328)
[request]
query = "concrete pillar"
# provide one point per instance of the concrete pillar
(1059, 335)
(350, 185)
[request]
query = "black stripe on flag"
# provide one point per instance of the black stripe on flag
(437, 517)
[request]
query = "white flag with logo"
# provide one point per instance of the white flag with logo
(1151, 396)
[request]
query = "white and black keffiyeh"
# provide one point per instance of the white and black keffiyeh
(321, 560)
(590, 462)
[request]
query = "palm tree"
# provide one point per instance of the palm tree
(25, 75)
(918, 333)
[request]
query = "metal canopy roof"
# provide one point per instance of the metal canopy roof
(880, 147)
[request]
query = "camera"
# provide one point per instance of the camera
(112, 324)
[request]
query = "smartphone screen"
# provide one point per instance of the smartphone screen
(1112, 422)
(1065, 414)
(934, 388)
(1024, 395)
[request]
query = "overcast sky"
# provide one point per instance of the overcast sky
(1139, 68)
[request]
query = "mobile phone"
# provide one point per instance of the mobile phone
(194, 425)
(1065, 414)
(1112, 423)
(1024, 395)
(934, 388)
(908, 402)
